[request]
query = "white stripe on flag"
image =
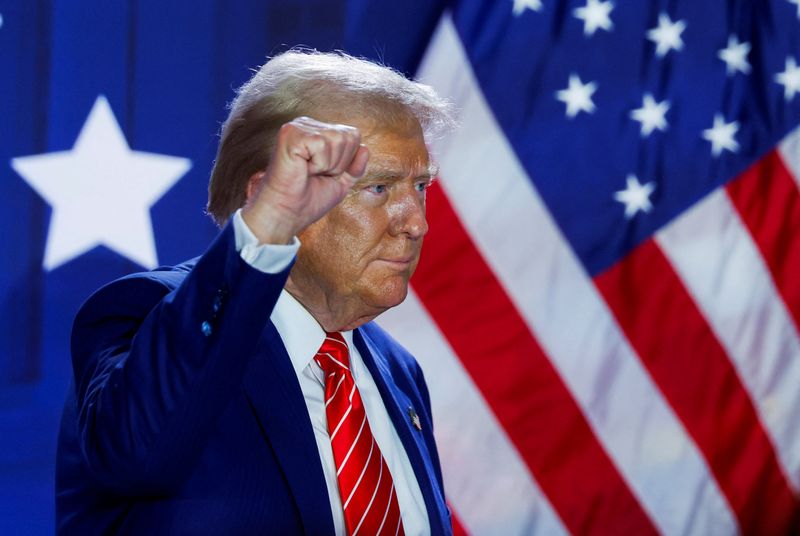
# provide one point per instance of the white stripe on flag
(715, 256)
(486, 481)
(789, 149)
(518, 238)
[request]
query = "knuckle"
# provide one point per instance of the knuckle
(303, 120)
(336, 138)
(289, 130)
(317, 140)
(351, 132)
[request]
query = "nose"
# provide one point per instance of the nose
(407, 213)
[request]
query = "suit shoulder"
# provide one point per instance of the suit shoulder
(118, 307)
(133, 292)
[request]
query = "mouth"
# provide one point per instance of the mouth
(399, 263)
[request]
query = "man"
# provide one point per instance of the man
(248, 391)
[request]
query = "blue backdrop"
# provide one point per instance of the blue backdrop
(167, 70)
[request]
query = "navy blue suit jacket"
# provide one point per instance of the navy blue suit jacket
(187, 416)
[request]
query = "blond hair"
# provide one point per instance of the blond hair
(316, 84)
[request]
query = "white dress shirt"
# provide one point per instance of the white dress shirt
(303, 336)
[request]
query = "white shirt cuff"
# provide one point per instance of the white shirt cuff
(267, 258)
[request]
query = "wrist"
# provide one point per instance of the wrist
(268, 227)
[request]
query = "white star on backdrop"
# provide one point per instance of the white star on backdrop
(667, 35)
(577, 96)
(100, 191)
(721, 136)
(521, 5)
(789, 78)
(735, 56)
(595, 14)
(797, 2)
(635, 196)
(652, 115)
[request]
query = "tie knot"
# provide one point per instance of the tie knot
(333, 355)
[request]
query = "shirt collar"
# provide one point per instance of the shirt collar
(300, 332)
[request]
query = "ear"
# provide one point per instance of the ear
(254, 185)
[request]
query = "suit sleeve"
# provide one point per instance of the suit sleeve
(155, 367)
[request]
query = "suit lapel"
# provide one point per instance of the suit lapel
(273, 389)
(397, 405)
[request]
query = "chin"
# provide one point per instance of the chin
(388, 295)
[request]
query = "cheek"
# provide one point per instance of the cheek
(318, 259)
(358, 230)
(340, 245)
(337, 253)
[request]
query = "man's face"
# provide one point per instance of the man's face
(360, 256)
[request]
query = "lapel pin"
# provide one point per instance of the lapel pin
(414, 418)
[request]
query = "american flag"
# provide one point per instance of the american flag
(608, 304)
(607, 309)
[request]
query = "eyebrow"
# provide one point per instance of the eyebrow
(387, 174)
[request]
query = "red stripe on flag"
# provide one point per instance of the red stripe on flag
(458, 528)
(519, 383)
(691, 368)
(768, 202)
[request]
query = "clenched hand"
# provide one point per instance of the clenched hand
(312, 168)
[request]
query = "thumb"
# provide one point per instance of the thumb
(359, 163)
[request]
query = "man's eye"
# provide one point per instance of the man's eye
(422, 186)
(377, 188)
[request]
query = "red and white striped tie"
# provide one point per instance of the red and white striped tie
(365, 484)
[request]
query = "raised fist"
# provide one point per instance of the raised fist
(312, 168)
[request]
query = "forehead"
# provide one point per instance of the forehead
(398, 151)
(396, 142)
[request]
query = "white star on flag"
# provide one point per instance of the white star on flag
(789, 78)
(100, 191)
(521, 5)
(635, 196)
(735, 56)
(667, 35)
(721, 135)
(577, 96)
(595, 14)
(652, 115)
